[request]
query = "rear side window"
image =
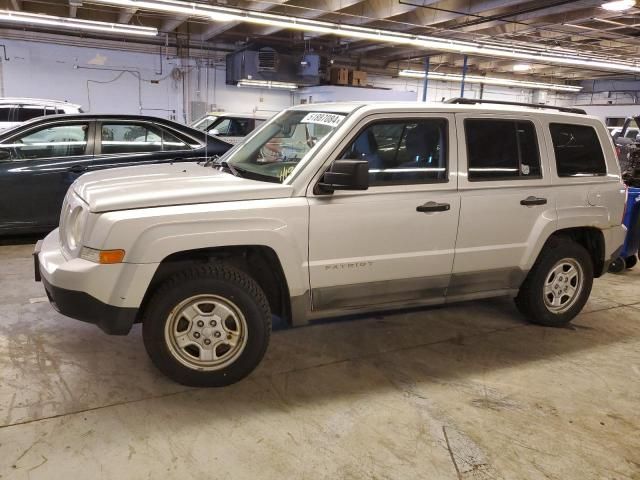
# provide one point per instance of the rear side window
(578, 151)
(27, 112)
(501, 150)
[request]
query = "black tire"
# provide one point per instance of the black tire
(631, 261)
(531, 298)
(617, 266)
(226, 283)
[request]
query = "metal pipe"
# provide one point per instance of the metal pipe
(464, 75)
(425, 82)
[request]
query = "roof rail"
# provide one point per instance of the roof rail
(474, 101)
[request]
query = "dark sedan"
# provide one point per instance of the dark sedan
(39, 159)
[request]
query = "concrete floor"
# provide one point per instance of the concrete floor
(464, 392)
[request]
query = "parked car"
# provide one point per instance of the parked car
(383, 206)
(39, 159)
(14, 111)
(230, 127)
(630, 133)
(625, 139)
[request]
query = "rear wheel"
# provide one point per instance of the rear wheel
(558, 285)
(207, 326)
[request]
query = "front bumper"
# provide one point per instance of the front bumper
(74, 287)
(84, 307)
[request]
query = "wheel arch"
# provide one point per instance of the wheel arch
(591, 238)
(261, 262)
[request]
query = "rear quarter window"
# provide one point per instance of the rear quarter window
(578, 151)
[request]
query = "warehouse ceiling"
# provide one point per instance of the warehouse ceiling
(577, 25)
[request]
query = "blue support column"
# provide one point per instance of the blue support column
(425, 83)
(464, 75)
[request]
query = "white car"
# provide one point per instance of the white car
(333, 209)
(230, 127)
(631, 133)
(14, 111)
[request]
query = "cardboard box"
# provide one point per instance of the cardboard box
(339, 76)
(358, 78)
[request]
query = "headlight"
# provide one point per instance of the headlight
(72, 223)
(75, 227)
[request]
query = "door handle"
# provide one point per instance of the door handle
(77, 169)
(530, 201)
(433, 207)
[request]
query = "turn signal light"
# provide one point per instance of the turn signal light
(111, 256)
(104, 257)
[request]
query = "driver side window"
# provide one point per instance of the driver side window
(57, 141)
(402, 152)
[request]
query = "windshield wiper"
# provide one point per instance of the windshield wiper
(250, 174)
(226, 167)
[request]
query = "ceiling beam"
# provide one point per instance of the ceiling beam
(218, 28)
(170, 24)
(310, 9)
(73, 7)
(454, 9)
(374, 11)
(553, 15)
(126, 14)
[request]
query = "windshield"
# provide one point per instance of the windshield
(285, 141)
(204, 123)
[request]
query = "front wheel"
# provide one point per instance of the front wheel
(558, 285)
(208, 326)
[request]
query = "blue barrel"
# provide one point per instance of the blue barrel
(629, 255)
(632, 222)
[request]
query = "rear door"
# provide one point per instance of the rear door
(507, 202)
(123, 143)
(36, 169)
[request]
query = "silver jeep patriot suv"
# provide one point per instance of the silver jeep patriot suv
(330, 209)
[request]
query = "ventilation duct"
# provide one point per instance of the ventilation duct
(268, 64)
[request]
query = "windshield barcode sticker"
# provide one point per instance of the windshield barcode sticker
(330, 119)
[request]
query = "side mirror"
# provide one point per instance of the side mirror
(214, 131)
(616, 135)
(4, 155)
(345, 175)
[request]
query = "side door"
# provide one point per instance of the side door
(508, 203)
(122, 143)
(36, 168)
(395, 241)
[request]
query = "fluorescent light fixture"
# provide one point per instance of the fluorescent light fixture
(521, 67)
(505, 82)
(267, 84)
(619, 5)
(74, 23)
(527, 53)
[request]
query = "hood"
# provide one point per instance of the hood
(164, 184)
